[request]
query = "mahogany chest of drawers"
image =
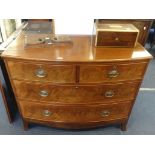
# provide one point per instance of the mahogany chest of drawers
(76, 85)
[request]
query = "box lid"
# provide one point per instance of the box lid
(116, 27)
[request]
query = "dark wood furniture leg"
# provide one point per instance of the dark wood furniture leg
(26, 125)
(123, 126)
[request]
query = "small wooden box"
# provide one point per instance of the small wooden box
(115, 35)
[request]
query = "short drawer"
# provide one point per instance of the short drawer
(111, 73)
(72, 94)
(42, 72)
(38, 111)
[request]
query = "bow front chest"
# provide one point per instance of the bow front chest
(75, 85)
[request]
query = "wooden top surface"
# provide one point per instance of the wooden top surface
(80, 50)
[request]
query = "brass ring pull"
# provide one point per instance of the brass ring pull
(109, 93)
(46, 113)
(113, 73)
(105, 113)
(40, 73)
(43, 93)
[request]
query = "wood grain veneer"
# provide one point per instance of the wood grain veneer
(75, 94)
(79, 114)
(80, 86)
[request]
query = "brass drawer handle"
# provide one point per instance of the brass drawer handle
(43, 93)
(40, 73)
(109, 93)
(105, 113)
(46, 113)
(113, 73)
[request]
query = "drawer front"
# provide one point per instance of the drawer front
(81, 114)
(111, 73)
(42, 72)
(75, 94)
(125, 39)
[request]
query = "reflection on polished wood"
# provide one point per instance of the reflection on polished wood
(81, 50)
(75, 85)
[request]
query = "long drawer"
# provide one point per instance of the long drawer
(75, 93)
(42, 72)
(81, 114)
(111, 73)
